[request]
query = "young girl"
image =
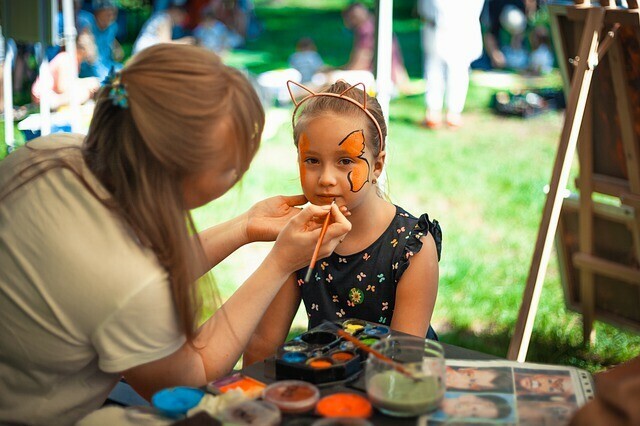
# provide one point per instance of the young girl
(386, 268)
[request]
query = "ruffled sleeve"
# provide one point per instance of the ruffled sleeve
(423, 227)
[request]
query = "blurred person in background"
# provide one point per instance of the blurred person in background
(159, 28)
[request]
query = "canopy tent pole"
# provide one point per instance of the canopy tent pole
(70, 33)
(7, 86)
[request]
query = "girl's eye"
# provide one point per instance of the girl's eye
(311, 161)
(346, 161)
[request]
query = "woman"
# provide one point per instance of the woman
(99, 254)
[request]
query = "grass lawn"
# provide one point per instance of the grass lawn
(484, 183)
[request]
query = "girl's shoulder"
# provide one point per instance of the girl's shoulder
(418, 227)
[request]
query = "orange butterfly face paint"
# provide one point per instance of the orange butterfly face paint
(354, 145)
(303, 148)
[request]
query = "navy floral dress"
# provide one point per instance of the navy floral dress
(363, 285)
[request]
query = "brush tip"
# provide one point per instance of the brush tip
(307, 277)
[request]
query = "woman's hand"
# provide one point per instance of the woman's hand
(265, 219)
(297, 240)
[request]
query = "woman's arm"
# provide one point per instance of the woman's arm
(275, 324)
(416, 291)
(262, 222)
(222, 338)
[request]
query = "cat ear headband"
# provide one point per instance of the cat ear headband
(312, 94)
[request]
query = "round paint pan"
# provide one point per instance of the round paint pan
(344, 404)
(342, 357)
(353, 326)
(368, 340)
(319, 338)
(377, 330)
(292, 396)
(294, 357)
(320, 363)
(252, 413)
(295, 346)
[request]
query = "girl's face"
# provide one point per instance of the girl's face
(335, 162)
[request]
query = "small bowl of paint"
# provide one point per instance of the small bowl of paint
(342, 421)
(292, 396)
(319, 338)
(175, 402)
(353, 326)
(344, 404)
(341, 357)
(252, 413)
(320, 362)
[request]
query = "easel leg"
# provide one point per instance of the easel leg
(580, 86)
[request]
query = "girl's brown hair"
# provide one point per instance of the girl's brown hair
(178, 96)
(319, 105)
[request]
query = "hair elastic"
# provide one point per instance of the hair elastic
(312, 94)
(118, 93)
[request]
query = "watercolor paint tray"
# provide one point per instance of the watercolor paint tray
(321, 356)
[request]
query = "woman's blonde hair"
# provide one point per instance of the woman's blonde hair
(179, 98)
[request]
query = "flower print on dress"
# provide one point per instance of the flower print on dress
(400, 230)
(334, 298)
(382, 320)
(381, 278)
(360, 276)
(329, 278)
(323, 265)
(342, 260)
(394, 242)
(366, 256)
(340, 313)
(385, 306)
(314, 306)
(371, 288)
(356, 296)
(300, 282)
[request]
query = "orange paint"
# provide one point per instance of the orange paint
(320, 363)
(353, 144)
(303, 148)
(344, 405)
(342, 356)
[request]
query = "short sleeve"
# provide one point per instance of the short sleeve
(423, 227)
(144, 329)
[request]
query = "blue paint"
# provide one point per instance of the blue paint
(294, 357)
(376, 330)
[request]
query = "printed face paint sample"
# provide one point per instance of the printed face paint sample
(354, 145)
(293, 396)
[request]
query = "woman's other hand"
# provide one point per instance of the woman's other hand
(297, 240)
(265, 219)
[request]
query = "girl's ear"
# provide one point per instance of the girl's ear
(378, 164)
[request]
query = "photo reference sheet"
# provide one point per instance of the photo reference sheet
(508, 392)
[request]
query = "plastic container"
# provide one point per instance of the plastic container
(252, 413)
(292, 396)
(344, 404)
(175, 402)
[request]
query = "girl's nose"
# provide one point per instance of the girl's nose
(327, 177)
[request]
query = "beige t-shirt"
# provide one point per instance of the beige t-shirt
(80, 299)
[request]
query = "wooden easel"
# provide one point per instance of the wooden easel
(599, 37)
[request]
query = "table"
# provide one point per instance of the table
(265, 372)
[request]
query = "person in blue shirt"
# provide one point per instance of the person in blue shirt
(104, 28)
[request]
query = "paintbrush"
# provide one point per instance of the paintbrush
(314, 258)
(396, 366)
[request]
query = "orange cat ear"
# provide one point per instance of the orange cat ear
(291, 89)
(364, 91)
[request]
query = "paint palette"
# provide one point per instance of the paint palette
(321, 356)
